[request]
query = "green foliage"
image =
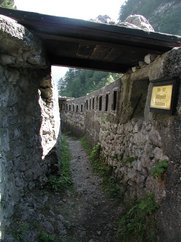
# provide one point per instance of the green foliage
(138, 223)
(7, 4)
(78, 82)
(168, 21)
(109, 182)
(21, 230)
(63, 181)
(86, 145)
(159, 168)
(95, 153)
(129, 160)
(45, 237)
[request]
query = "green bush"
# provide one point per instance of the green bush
(7, 4)
(138, 223)
(86, 145)
(64, 180)
(45, 237)
(20, 231)
(109, 181)
(95, 153)
(168, 22)
(159, 168)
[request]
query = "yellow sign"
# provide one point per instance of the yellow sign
(161, 97)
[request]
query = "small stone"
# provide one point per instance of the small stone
(155, 138)
(7, 59)
(61, 228)
(52, 213)
(158, 154)
(82, 234)
(141, 63)
(99, 232)
(60, 217)
(134, 69)
(149, 58)
(48, 227)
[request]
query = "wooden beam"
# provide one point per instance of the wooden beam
(87, 30)
(87, 64)
(79, 43)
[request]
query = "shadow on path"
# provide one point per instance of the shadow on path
(85, 214)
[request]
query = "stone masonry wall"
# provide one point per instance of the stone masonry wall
(28, 125)
(133, 139)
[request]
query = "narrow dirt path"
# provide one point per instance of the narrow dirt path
(82, 215)
(98, 214)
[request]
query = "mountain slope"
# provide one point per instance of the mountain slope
(164, 15)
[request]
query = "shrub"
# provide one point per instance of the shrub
(64, 180)
(109, 182)
(45, 237)
(159, 168)
(138, 223)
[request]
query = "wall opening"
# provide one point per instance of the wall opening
(97, 100)
(114, 104)
(81, 108)
(100, 103)
(138, 97)
(93, 102)
(90, 104)
(77, 108)
(107, 102)
(86, 104)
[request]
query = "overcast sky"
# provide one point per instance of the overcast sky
(80, 9)
(72, 8)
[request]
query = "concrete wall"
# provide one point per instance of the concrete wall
(133, 139)
(29, 115)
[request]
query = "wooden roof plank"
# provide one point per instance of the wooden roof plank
(88, 30)
(88, 64)
(85, 44)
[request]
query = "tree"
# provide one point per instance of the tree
(164, 15)
(7, 4)
(79, 82)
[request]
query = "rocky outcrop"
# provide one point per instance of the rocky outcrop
(19, 47)
(139, 21)
(105, 19)
(29, 123)
(132, 21)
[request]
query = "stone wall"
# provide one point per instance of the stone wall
(133, 139)
(29, 116)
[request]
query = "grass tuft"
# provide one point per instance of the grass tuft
(159, 169)
(138, 223)
(20, 231)
(109, 182)
(46, 237)
(63, 181)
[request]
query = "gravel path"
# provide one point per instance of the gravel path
(82, 215)
(98, 213)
